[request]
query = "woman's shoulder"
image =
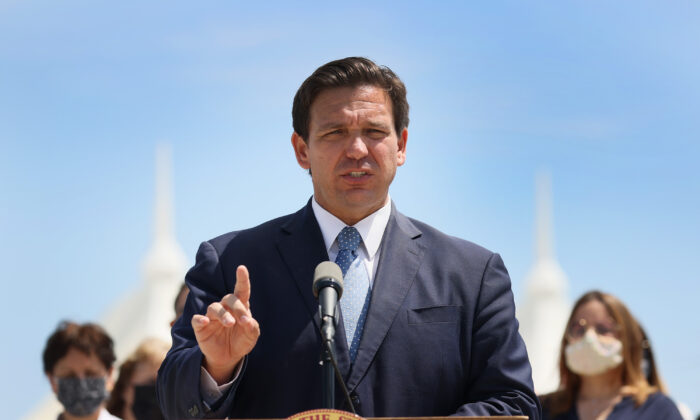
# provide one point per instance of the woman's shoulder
(665, 405)
(657, 406)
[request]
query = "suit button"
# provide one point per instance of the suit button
(193, 411)
(355, 399)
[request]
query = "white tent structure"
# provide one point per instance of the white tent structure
(146, 312)
(543, 311)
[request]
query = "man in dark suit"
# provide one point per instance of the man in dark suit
(428, 322)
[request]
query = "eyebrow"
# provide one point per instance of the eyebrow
(371, 123)
(379, 124)
(329, 126)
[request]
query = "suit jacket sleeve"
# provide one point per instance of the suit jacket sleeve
(500, 378)
(178, 384)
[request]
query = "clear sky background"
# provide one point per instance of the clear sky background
(603, 95)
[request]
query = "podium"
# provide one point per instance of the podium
(432, 418)
(452, 418)
(428, 418)
(332, 414)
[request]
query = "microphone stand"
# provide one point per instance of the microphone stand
(327, 375)
(330, 366)
(339, 377)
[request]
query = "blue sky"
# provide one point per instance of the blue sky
(603, 96)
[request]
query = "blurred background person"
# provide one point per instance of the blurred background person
(180, 300)
(134, 394)
(602, 368)
(78, 361)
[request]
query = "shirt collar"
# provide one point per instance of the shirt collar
(371, 228)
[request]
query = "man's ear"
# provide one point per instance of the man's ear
(301, 150)
(109, 383)
(401, 152)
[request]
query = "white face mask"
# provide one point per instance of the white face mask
(591, 356)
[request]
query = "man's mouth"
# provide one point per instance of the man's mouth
(357, 174)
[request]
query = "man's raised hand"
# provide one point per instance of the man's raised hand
(228, 331)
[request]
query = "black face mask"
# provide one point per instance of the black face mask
(81, 397)
(145, 406)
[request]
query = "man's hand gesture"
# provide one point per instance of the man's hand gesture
(228, 331)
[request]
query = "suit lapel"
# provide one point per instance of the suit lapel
(302, 248)
(399, 260)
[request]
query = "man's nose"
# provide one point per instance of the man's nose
(357, 148)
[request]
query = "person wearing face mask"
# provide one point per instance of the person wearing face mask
(78, 361)
(134, 393)
(602, 369)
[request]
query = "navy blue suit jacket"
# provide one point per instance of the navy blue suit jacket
(440, 338)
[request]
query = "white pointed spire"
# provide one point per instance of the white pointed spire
(165, 257)
(545, 308)
(165, 263)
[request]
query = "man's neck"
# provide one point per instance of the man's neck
(351, 218)
(371, 228)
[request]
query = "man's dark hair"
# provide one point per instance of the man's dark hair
(87, 338)
(349, 72)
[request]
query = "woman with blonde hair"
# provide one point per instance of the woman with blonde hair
(601, 367)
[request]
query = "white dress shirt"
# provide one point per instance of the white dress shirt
(371, 229)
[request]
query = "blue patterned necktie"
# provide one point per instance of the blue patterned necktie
(355, 301)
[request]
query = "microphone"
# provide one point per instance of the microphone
(328, 288)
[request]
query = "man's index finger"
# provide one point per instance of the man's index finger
(242, 287)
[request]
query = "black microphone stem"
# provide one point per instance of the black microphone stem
(327, 372)
(331, 357)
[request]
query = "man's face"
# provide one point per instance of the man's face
(352, 150)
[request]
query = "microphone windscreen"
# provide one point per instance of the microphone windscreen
(328, 271)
